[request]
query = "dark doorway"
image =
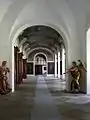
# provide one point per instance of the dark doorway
(60, 67)
(51, 67)
(38, 69)
(30, 68)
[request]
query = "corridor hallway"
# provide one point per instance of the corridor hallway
(37, 99)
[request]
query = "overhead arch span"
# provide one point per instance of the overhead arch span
(30, 51)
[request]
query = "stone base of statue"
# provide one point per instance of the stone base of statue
(6, 92)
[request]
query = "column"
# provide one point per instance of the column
(88, 61)
(55, 65)
(58, 64)
(34, 68)
(63, 63)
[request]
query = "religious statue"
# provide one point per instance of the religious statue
(75, 73)
(81, 66)
(4, 86)
(2, 90)
(82, 70)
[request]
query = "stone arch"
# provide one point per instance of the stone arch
(35, 57)
(42, 54)
(60, 30)
(41, 49)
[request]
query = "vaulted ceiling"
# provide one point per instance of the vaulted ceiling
(41, 36)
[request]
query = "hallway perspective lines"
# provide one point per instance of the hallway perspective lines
(44, 107)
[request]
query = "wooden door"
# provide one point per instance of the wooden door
(38, 69)
(30, 68)
(51, 67)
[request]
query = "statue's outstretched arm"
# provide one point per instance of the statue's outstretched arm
(69, 70)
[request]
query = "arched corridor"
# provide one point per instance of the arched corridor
(45, 59)
(44, 49)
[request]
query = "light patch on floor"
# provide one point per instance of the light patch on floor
(44, 106)
(70, 106)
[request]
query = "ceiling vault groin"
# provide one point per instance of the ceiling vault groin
(40, 37)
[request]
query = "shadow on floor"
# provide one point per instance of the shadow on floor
(18, 105)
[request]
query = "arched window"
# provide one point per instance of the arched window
(40, 60)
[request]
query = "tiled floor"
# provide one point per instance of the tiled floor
(71, 106)
(44, 105)
(18, 106)
(32, 98)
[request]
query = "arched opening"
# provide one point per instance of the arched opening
(41, 36)
(40, 64)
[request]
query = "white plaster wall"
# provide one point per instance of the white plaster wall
(80, 10)
(4, 5)
(7, 18)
